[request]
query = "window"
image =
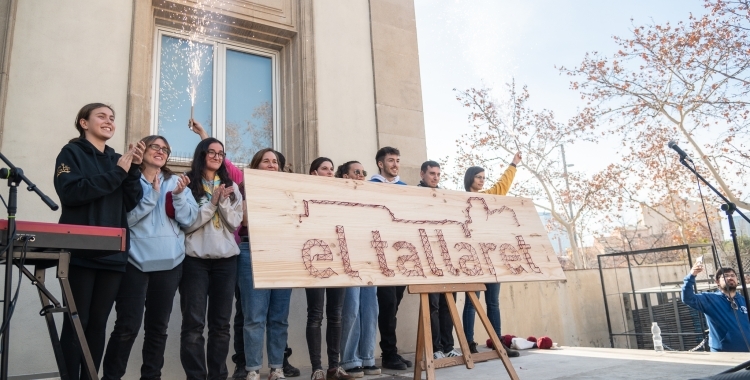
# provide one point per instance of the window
(231, 89)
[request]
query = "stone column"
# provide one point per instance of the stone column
(398, 87)
(7, 22)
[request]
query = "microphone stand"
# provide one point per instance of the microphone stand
(14, 175)
(729, 208)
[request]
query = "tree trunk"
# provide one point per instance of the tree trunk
(578, 260)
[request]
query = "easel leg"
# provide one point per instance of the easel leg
(459, 331)
(62, 274)
(54, 337)
(424, 323)
(419, 356)
(493, 336)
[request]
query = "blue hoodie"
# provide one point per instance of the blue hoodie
(156, 241)
(723, 322)
(380, 178)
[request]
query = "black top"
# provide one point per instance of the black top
(94, 191)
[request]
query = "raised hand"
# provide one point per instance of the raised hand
(217, 195)
(137, 152)
(156, 184)
(182, 183)
(696, 269)
(227, 192)
(197, 128)
(517, 158)
(125, 161)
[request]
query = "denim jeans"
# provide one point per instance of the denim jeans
(492, 299)
(441, 323)
(207, 284)
(266, 314)
(389, 297)
(359, 318)
(94, 292)
(150, 291)
(332, 299)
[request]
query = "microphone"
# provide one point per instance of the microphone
(683, 156)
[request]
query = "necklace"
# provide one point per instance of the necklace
(732, 303)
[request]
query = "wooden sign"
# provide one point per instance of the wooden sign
(309, 231)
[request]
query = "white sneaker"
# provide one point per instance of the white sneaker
(438, 355)
(453, 354)
(318, 375)
(276, 373)
(252, 375)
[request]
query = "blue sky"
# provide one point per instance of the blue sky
(465, 43)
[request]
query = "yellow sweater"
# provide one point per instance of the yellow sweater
(502, 186)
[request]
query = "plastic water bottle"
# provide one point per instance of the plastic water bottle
(656, 332)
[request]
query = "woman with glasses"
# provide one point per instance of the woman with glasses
(359, 314)
(154, 269)
(209, 271)
(97, 187)
(351, 170)
(474, 182)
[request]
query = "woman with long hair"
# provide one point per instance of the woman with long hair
(332, 301)
(474, 182)
(266, 311)
(359, 315)
(209, 271)
(97, 187)
(154, 270)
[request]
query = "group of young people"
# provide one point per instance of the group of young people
(189, 232)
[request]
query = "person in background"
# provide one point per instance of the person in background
(441, 323)
(210, 265)
(388, 160)
(359, 315)
(725, 310)
(154, 269)
(330, 299)
(96, 187)
(474, 182)
(266, 311)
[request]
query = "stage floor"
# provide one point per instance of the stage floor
(589, 363)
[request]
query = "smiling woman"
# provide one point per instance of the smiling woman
(97, 187)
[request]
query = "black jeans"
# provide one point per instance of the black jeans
(316, 299)
(207, 284)
(94, 292)
(238, 326)
(389, 297)
(154, 292)
(441, 323)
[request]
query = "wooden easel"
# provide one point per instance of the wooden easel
(424, 360)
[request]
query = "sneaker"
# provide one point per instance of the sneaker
(511, 352)
(289, 370)
(356, 372)
(408, 363)
(372, 370)
(252, 375)
(438, 355)
(318, 375)
(239, 372)
(394, 362)
(276, 373)
(337, 373)
(452, 353)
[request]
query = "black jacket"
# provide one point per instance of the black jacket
(94, 191)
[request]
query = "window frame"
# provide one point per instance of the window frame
(218, 104)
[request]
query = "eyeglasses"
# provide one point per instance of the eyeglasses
(729, 275)
(212, 154)
(159, 148)
(480, 177)
(360, 172)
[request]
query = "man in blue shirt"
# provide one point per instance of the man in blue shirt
(725, 310)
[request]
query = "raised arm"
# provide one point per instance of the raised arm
(688, 294)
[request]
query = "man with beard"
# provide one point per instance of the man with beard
(725, 310)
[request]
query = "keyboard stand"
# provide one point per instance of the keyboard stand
(42, 261)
